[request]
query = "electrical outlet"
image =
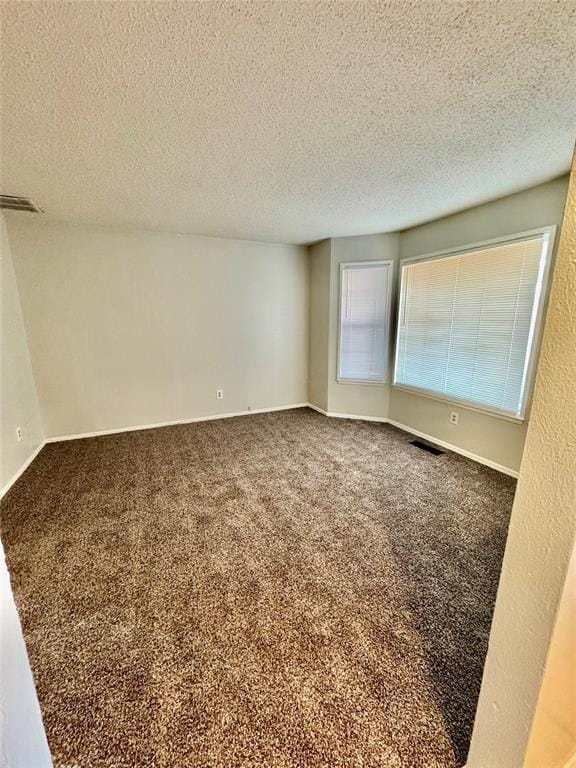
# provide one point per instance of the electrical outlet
(18, 433)
(454, 417)
(219, 394)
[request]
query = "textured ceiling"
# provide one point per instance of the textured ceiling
(283, 121)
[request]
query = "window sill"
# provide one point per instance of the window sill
(461, 404)
(363, 382)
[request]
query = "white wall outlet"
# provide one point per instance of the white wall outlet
(219, 394)
(454, 417)
(18, 433)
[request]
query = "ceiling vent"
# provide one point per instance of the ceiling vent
(10, 203)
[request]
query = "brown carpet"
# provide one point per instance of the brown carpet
(279, 590)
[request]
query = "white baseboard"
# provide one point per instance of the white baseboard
(317, 408)
(456, 449)
(381, 419)
(156, 425)
(6, 487)
(417, 433)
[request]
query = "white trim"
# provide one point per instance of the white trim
(485, 244)
(430, 438)
(363, 382)
(82, 435)
(381, 419)
(317, 408)
(389, 263)
(456, 449)
(537, 321)
(540, 297)
(22, 469)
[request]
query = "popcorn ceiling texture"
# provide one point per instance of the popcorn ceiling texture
(275, 591)
(283, 121)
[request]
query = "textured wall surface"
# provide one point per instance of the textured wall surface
(283, 121)
(541, 534)
(128, 328)
(553, 736)
(18, 400)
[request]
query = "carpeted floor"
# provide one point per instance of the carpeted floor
(278, 590)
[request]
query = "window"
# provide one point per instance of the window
(468, 321)
(364, 321)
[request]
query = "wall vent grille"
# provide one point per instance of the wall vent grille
(11, 203)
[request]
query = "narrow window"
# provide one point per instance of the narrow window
(364, 321)
(468, 322)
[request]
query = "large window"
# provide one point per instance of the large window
(468, 322)
(364, 321)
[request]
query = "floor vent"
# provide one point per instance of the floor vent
(426, 447)
(11, 203)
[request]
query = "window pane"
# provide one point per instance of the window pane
(466, 323)
(363, 350)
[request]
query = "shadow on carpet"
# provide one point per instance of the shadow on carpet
(280, 590)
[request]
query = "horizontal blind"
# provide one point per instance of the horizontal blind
(466, 323)
(363, 350)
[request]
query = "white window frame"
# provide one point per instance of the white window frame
(387, 313)
(540, 303)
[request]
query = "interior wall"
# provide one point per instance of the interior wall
(18, 399)
(490, 437)
(319, 324)
(541, 534)
(22, 738)
(23, 741)
(553, 736)
(129, 328)
(345, 397)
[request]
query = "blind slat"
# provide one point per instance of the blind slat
(466, 323)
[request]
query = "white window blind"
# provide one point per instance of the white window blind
(467, 323)
(364, 321)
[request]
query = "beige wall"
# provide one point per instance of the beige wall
(350, 398)
(492, 438)
(130, 328)
(22, 739)
(541, 534)
(325, 390)
(18, 400)
(553, 736)
(319, 324)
